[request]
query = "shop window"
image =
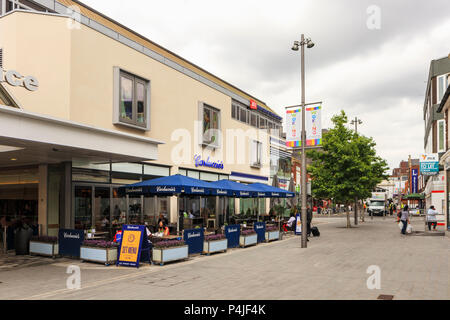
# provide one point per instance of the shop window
(210, 126)
(132, 100)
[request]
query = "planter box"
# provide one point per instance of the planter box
(245, 241)
(272, 235)
(44, 248)
(102, 255)
(215, 246)
(163, 255)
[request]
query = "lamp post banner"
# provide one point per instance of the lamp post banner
(293, 127)
(313, 126)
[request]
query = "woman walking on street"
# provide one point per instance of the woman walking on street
(404, 218)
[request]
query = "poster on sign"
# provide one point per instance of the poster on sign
(134, 241)
(298, 225)
(313, 126)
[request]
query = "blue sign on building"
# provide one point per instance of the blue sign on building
(232, 233)
(194, 239)
(70, 241)
(260, 228)
(414, 182)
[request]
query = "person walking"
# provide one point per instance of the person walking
(405, 218)
(309, 215)
(431, 218)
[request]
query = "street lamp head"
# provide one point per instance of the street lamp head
(295, 46)
(310, 44)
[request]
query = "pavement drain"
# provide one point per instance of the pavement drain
(385, 297)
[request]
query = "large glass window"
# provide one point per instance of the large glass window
(83, 207)
(102, 209)
(133, 100)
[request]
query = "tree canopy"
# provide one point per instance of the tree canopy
(347, 167)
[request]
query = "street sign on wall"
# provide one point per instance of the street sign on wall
(429, 164)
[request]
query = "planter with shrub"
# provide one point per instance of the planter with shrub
(248, 238)
(99, 251)
(215, 243)
(272, 233)
(169, 250)
(44, 246)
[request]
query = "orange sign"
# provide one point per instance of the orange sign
(130, 246)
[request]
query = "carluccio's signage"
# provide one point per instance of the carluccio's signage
(15, 79)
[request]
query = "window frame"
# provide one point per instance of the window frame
(440, 95)
(218, 143)
(258, 155)
(136, 80)
(439, 140)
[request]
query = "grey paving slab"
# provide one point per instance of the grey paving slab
(332, 267)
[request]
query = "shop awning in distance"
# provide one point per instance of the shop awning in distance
(414, 196)
(272, 192)
(167, 186)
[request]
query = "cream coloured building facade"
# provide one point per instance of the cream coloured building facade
(108, 107)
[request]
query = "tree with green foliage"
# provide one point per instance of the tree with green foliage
(346, 167)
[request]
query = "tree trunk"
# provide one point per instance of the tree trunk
(356, 212)
(348, 217)
(363, 214)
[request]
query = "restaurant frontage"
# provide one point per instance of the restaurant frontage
(69, 140)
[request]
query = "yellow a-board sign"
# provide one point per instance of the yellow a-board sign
(134, 240)
(131, 241)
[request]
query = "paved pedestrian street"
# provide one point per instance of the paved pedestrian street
(333, 266)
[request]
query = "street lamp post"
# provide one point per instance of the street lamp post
(356, 121)
(303, 190)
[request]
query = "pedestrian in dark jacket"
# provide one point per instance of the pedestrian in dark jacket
(308, 220)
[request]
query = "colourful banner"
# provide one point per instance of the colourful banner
(313, 121)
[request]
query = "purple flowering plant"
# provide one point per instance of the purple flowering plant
(214, 237)
(247, 232)
(46, 239)
(169, 244)
(271, 228)
(100, 244)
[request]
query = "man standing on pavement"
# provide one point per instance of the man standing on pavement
(431, 218)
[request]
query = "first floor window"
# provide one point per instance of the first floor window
(255, 153)
(211, 125)
(133, 100)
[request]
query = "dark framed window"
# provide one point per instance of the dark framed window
(132, 100)
(211, 126)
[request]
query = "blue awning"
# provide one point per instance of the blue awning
(176, 184)
(272, 192)
(236, 189)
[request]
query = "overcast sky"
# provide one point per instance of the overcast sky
(378, 75)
